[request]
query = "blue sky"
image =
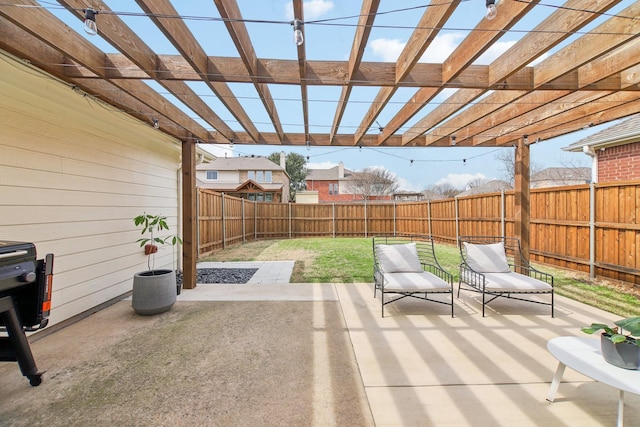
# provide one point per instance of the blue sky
(332, 40)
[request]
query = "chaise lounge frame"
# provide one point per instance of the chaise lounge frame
(532, 281)
(432, 280)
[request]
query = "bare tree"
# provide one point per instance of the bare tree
(445, 190)
(477, 182)
(508, 167)
(373, 181)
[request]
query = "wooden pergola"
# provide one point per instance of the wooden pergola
(583, 78)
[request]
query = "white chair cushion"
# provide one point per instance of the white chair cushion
(487, 258)
(402, 258)
(514, 283)
(414, 282)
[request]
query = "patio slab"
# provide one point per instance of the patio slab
(434, 370)
(311, 354)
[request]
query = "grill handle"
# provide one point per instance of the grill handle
(13, 254)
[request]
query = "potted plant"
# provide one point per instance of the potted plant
(619, 349)
(154, 290)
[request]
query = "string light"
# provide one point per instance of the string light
(453, 140)
(492, 12)
(156, 123)
(90, 26)
(308, 145)
(298, 37)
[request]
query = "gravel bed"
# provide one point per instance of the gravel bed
(221, 275)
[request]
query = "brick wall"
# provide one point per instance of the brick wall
(322, 187)
(620, 163)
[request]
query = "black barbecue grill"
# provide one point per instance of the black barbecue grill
(25, 302)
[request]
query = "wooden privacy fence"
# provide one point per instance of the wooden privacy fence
(590, 228)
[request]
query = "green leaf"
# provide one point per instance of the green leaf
(617, 338)
(630, 324)
(595, 327)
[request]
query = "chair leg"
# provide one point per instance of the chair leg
(452, 304)
(483, 302)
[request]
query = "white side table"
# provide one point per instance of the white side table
(583, 355)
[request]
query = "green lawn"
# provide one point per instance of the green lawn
(350, 260)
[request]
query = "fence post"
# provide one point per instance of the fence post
(455, 201)
(255, 221)
(243, 228)
(365, 218)
(333, 219)
(592, 230)
(224, 225)
(198, 240)
(502, 213)
(429, 217)
(395, 226)
(289, 220)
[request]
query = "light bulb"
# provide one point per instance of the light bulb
(90, 26)
(298, 37)
(492, 12)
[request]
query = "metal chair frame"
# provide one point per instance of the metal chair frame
(429, 262)
(476, 282)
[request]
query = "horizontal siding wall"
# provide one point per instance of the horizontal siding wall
(73, 174)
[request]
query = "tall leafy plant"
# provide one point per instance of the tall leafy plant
(150, 225)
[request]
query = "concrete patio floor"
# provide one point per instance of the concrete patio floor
(417, 366)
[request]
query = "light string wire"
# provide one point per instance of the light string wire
(333, 21)
(327, 21)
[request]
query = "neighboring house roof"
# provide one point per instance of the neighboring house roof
(492, 186)
(408, 193)
(234, 186)
(622, 133)
(332, 174)
(432, 195)
(241, 163)
(569, 174)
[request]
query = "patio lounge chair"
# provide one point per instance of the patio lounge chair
(407, 267)
(495, 267)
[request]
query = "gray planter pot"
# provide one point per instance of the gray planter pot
(623, 355)
(153, 291)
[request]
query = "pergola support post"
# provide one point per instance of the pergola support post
(189, 215)
(522, 193)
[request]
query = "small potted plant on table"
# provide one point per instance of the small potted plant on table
(617, 348)
(154, 290)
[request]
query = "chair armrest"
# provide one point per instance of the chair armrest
(534, 273)
(471, 277)
(439, 272)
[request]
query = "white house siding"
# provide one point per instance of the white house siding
(73, 174)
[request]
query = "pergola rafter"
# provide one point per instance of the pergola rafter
(604, 59)
(513, 101)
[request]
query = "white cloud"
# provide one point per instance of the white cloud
(322, 165)
(441, 47)
(460, 180)
(312, 9)
(387, 49)
(406, 185)
(494, 52)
